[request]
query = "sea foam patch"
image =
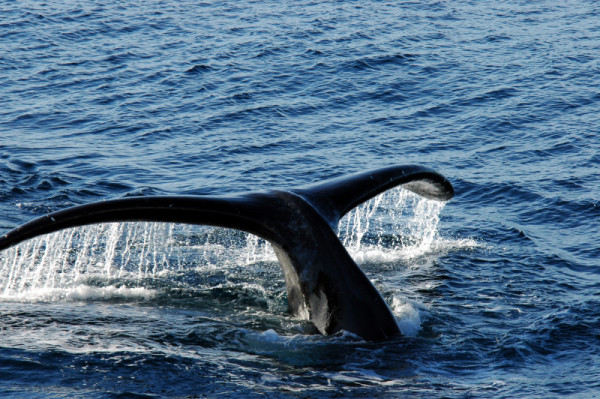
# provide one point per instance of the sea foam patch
(80, 292)
(409, 315)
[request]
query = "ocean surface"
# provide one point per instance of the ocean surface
(497, 292)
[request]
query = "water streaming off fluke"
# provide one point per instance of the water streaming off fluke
(115, 259)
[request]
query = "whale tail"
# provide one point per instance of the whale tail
(323, 283)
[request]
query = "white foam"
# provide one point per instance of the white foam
(409, 315)
(80, 292)
(377, 254)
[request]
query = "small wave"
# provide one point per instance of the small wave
(270, 340)
(198, 69)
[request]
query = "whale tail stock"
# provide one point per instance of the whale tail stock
(323, 283)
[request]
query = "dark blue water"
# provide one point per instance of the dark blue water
(107, 99)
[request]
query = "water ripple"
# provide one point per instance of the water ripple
(103, 100)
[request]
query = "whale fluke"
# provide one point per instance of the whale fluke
(323, 282)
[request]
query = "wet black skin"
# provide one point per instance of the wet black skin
(323, 281)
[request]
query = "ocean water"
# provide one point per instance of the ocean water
(497, 292)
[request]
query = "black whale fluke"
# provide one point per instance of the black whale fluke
(323, 283)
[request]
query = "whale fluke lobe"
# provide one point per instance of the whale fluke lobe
(336, 197)
(323, 282)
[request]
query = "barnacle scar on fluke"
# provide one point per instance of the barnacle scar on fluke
(323, 281)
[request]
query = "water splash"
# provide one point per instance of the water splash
(122, 256)
(122, 253)
(395, 225)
